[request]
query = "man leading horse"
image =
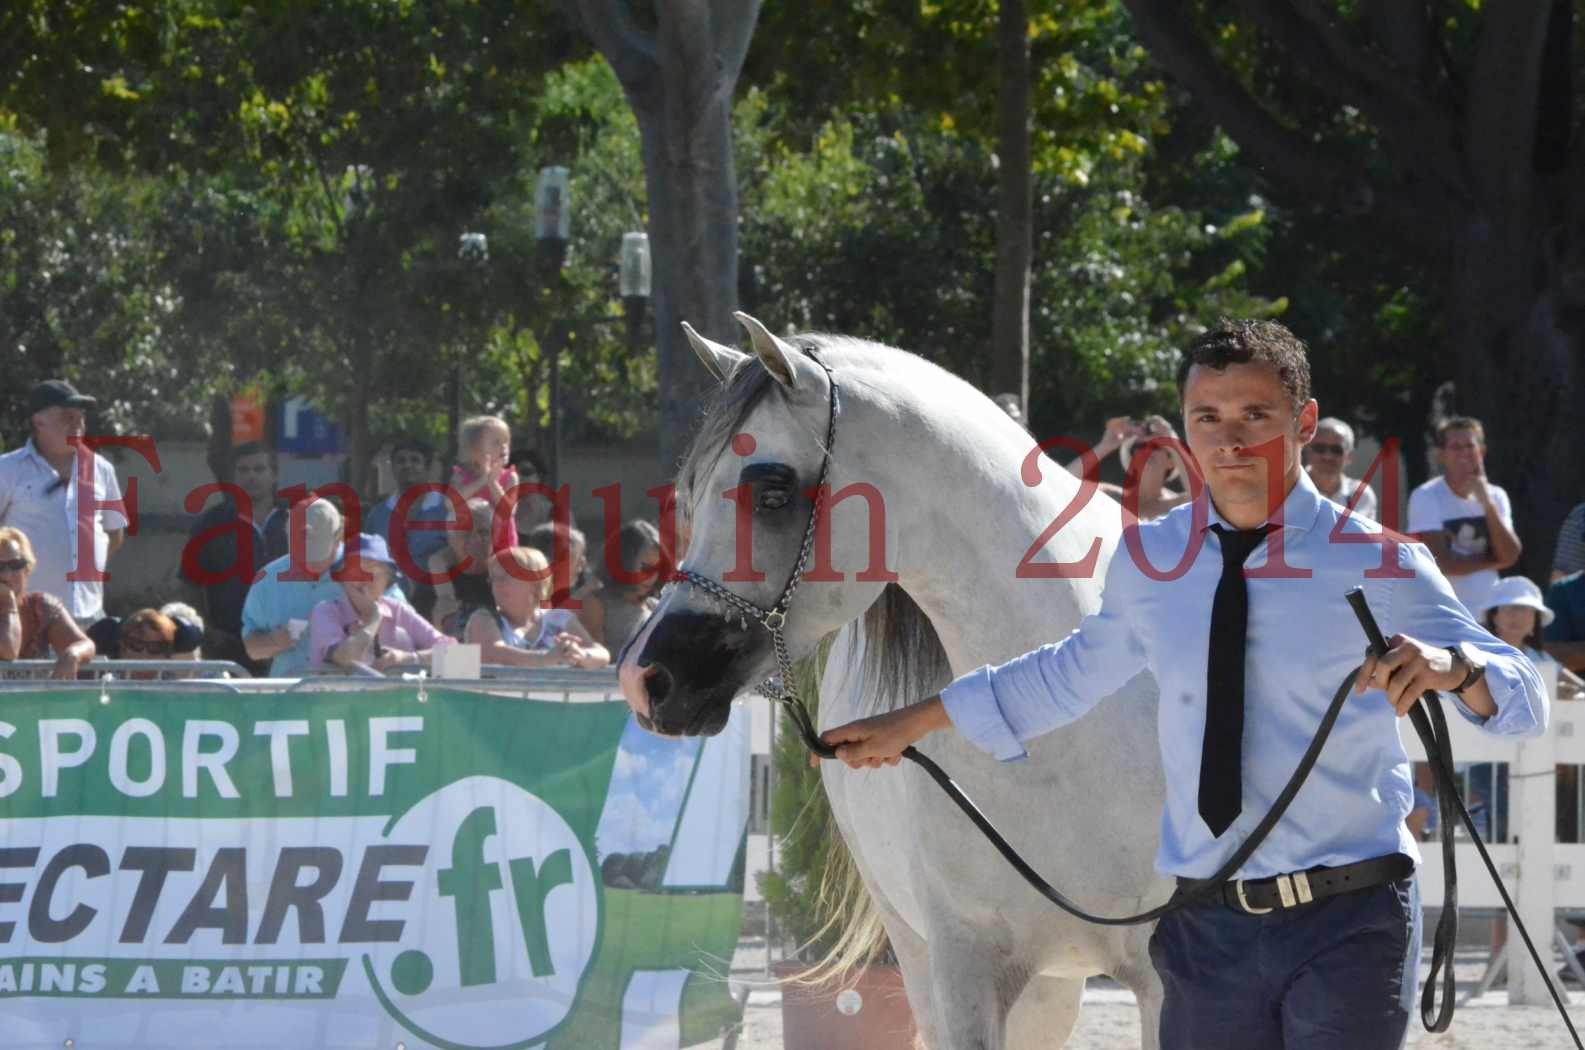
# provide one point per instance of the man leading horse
(1235, 602)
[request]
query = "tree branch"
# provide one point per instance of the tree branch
(1288, 156)
(1504, 94)
(610, 26)
(733, 22)
(1404, 32)
(1411, 127)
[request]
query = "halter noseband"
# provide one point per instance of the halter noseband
(779, 687)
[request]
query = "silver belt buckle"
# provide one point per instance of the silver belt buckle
(1243, 901)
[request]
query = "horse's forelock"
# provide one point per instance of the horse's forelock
(724, 416)
(735, 400)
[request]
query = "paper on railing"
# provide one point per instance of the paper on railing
(454, 660)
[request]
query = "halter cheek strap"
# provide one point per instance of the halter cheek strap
(779, 687)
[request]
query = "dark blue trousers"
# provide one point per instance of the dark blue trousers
(1338, 974)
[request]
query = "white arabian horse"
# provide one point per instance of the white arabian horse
(950, 499)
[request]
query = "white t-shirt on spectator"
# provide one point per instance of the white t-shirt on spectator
(49, 519)
(1434, 506)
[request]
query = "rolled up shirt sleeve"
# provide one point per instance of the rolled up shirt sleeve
(1425, 608)
(999, 708)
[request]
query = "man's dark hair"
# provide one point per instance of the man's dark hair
(251, 448)
(527, 457)
(1239, 342)
(1449, 425)
(411, 444)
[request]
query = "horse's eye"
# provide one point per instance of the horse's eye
(772, 499)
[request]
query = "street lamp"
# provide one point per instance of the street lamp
(473, 252)
(633, 276)
(552, 225)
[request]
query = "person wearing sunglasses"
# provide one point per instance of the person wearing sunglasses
(150, 634)
(1326, 457)
(33, 623)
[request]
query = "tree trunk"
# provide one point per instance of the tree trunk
(1518, 368)
(692, 189)
(1015, 201)
(679, 80)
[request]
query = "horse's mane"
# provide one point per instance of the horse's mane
(902, 657)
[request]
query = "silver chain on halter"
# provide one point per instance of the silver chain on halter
(779, 687)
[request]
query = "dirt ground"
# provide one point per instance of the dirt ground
(1111, 1022)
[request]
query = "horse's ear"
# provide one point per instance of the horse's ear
(777, 355)
(718, 360)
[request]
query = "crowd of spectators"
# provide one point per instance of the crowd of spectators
(489, 558)
(486, 558)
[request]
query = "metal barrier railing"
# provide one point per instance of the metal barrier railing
(564, 684)
(166, 670)
(545, 683)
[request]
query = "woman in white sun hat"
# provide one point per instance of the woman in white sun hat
(1515, 612)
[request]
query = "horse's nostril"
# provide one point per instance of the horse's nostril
(657, 682)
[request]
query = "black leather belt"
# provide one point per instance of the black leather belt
(1296, 889)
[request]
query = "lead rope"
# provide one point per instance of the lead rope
(780, 689)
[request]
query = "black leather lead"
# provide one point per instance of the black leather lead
(1432, 729)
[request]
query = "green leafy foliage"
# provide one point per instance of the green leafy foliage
(807, 842)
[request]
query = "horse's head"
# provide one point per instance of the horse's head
(748, 488)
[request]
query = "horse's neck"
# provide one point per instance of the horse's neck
(986, 600)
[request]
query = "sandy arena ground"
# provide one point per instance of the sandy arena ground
(1110, 1021)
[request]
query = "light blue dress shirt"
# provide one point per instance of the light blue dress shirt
(1303, 640)
(272, 601)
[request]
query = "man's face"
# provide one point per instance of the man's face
(411, 467)
(1463, 456)
(1329, 452)
(1242, 428)
(256, 477)
(54, 427)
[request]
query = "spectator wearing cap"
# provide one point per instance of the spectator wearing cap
(229, 543)
(1328, 455)
(39, 495)
(1515, 612)
(410, 466)
(1565, 635)
(149, 634)
(275, 614)
(183, 613)
(32, 622)
(363, 627)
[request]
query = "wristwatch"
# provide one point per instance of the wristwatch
(1476, 665)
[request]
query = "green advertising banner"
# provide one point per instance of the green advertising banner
(393, 868)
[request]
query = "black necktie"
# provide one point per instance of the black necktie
(1221, 754)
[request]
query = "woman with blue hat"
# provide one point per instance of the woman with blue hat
(364, 628)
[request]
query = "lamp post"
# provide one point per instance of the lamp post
(552, 225)
(634, 278)
(473, 252)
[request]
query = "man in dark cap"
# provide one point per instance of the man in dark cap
(39, 494)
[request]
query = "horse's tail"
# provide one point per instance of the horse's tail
(850, 915)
